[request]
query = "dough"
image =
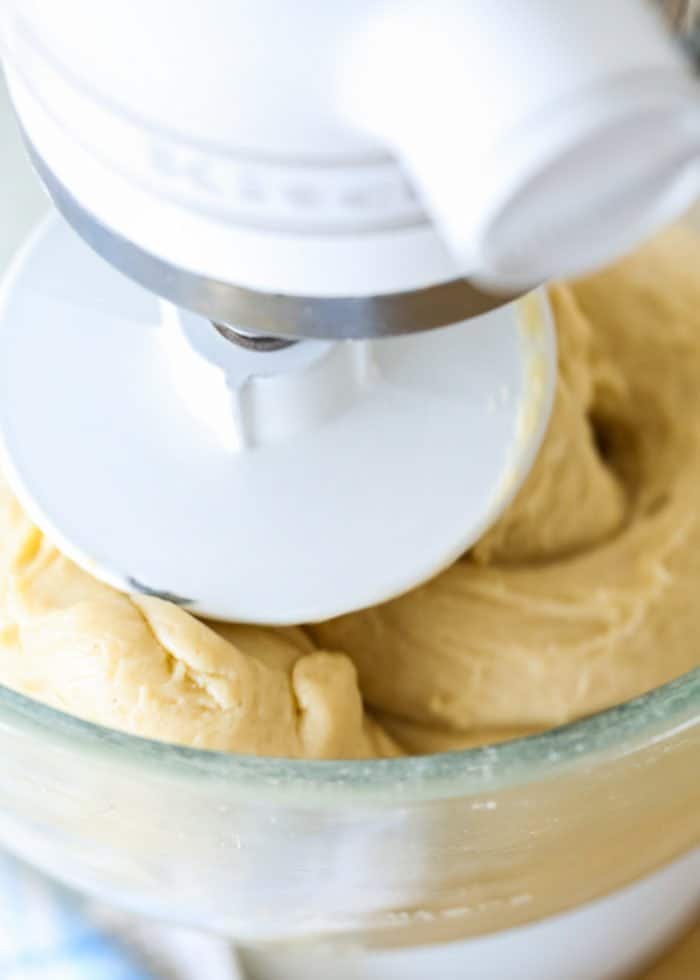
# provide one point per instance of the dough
(145, 666)
(682, 962)
(583, 594)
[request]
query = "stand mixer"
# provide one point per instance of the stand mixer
(263, 422)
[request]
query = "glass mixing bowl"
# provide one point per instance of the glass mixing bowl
(386, 853)
(391, 853)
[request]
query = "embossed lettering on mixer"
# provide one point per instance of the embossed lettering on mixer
(323, 193)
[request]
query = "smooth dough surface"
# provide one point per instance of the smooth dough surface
(583, 595)
(682, 962)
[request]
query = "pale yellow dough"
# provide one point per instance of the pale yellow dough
(145, 666)
(586, 592)
(583, 595)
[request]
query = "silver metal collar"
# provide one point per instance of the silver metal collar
(295, 317)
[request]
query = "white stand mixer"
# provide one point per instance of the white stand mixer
(315, 180)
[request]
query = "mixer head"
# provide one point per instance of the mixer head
(265, 424)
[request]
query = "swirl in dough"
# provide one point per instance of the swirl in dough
(585, 592)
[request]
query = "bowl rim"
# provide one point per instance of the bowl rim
(612, 733)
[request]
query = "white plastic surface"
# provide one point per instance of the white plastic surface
(545, 138)
(396, 468)
(269, 145)
(248, 399)
(172, 226)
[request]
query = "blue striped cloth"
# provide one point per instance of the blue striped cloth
(45, 934)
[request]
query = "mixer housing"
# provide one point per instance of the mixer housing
(352, 169)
